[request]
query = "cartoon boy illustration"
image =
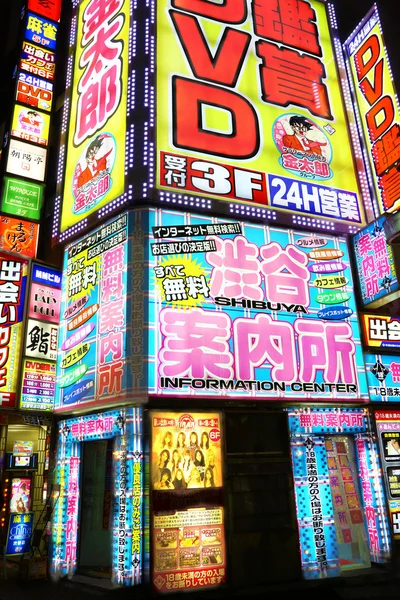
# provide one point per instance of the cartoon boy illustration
(298, 140)
(94, 165)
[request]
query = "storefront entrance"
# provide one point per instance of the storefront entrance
(94, 557)
(347, 503)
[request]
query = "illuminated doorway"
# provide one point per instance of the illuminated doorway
(347, 503)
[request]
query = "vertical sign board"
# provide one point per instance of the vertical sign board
(249, 107)
(92, 364)
(126, 541)
(19, 534)
(388, 427)
(377, 105)
(41, 339)
(383, 373)
(311, 470)
(377, 278)
(13, 280)
(246, 310)
(189, 538)
(95, 161)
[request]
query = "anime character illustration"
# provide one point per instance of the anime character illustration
(298, 140)
(96, 164)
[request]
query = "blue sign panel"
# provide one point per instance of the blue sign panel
(46, 276)
(41, 31)
(19, 533)
(383, 374)
(313, 199)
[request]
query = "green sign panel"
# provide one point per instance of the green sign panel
(22, 199)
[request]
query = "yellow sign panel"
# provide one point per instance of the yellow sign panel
(249, 107)
(96, 144)
(31, 125)
(378, 108)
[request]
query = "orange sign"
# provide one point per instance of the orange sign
(18, 236)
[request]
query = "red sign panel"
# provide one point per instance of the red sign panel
(51, 9)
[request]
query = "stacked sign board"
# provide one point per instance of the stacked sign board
(292, 158)
(25, 169)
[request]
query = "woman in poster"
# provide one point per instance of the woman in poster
(181, 440)
(165, 481)
(199, 462)
(204, 441)
(195, 479)
(179, 482)
(187, 463)
(209, 478)
(176, 461)
(193, 443)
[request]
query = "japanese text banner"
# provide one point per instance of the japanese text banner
(249, 107)
(247, 310)
(96, 144)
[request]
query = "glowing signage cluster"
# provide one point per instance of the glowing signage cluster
(41, 339)
(13, 279)
(247, 85)
(375, 265)
(95, 160)
(125, 426)
(388, 427)
(317, 473)
(92, 361)
(378, 107)
(264, 313)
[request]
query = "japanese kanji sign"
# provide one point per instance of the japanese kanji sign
(264, 315)
(383, 373)
(26, 160)
(377, 278)
(249, 107)
(92, 361)
(19, 535)
(51, 9)
(30, 125)
(381, 331)
(41, 31)
(38, 61)
(378, 107)
(19, 236)
(34, 91)
(13, 276)
(96, 145)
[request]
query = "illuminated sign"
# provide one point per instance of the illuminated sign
(249, 107)
(185, 450)
(21, 198)
(388, 427)
(26, 160)
(38, 385)
(95, 161)
(22, 448)
(188, 545)
(35, 92)
(19, 236)
(314, 490)
(376, 271)
(45, 303)
(37, 61)
(256, 314)
(41, 340)
(51, 9)
(383, 373)
(19, 534)
(381, 331)
(378, 107)
(13, 275)
(94, 319)
(30, 125)
(127, 555)
(41, 31)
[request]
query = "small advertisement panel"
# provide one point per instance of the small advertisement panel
(19, 534)
(92, 365)
(383, 373)
(41, 340)
(41, 31)
(22, 198)
(19, 236)
(388, 428)
(21, 448)
(249, 108)
(38, 385)
(26, 160)
(34, 91)
(30, 125)
(45, 294)
(249, 310)
(377, 278)
(95, 160)
(377, 106)
(38, 61)
(20, 495)
(51, 9)
(381, 331)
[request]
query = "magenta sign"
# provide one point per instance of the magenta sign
(239, 313)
